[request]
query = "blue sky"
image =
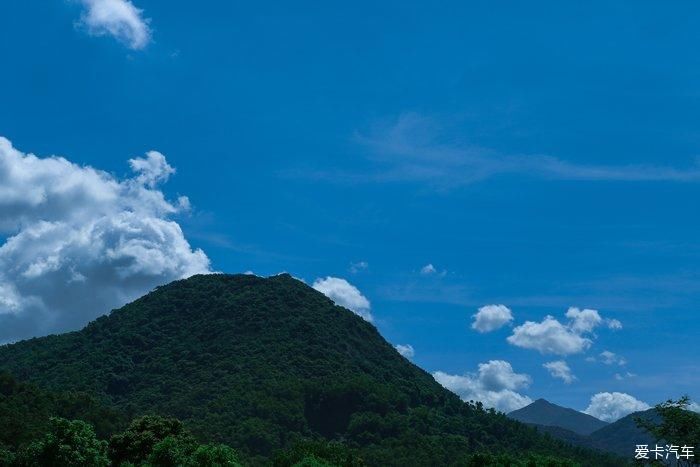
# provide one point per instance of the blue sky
(541, 156)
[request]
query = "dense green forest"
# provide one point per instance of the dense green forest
(271, 368)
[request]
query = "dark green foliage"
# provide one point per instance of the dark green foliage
(149, 441)
(169, 452)
(25, 411)
(311, 461)
(318, 453)
(68, 443)
(261, 364)
(147, 436)
(7, 457)
(565, 435)
(214, 455)
(163, 442)
(506, 460)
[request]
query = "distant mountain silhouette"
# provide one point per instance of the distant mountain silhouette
(542, 412)
(619, 437)
(622, 436)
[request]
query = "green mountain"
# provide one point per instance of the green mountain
(262, 364)
(542, 412)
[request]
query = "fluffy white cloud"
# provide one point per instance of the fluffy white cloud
(117, 18)
(610, 358)
(559, 369)
(405, 350)
(611, 406)
(614, 324)
(344, 294)
(79, 242)
(694, 406)
(549, 337)
(583, 320)
(494, 385)
(491, 317)
(552, 337)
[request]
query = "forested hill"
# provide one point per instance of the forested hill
(261, 363)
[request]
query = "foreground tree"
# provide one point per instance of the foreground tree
(136, 444)
(68, 443)
(155, 441)
(679, 428)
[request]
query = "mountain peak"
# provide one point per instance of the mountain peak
(265, 355)
(541, 401)
(543, 412)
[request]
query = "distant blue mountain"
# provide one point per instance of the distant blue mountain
(542, 412)
(580, 429)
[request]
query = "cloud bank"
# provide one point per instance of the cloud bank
(79, 242)
(346, 295)
(494, 385)
(117, 18)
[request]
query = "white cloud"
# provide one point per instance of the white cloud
(117, 18)
(559, 369)
(494, 385)
(405, 350)
(611, 406)
(694, 406)
(549, 337)
(620, 377)
(614, 324)
(583, 320)
(610, 358)
(491, 317)
(80, 242)
(552, 337)
(344, 294)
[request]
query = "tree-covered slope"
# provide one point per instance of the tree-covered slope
(260, 363)
(25, 411)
